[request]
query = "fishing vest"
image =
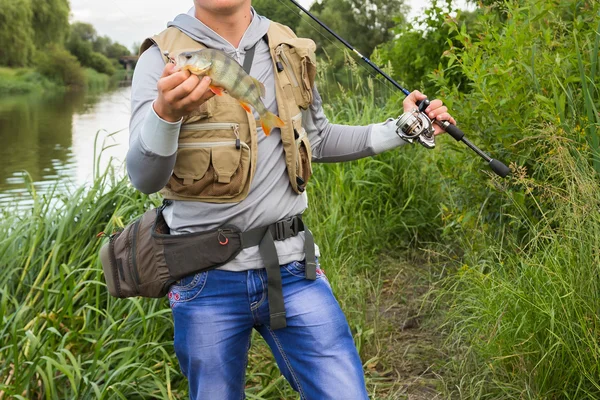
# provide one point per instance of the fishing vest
(218, 142)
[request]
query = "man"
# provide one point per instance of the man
(173, 114)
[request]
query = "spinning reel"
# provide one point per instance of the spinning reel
(416, 125)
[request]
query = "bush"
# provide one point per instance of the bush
(60, 66)
(96, 81)
(101, 64)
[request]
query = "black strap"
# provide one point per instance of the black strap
(310, 271)
(268, 252)
(265, 237)
(249, 58)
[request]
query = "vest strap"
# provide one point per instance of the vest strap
(249, 58)
(264, 237)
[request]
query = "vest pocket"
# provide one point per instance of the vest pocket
(295, 59)
(304, 154)
(210, 171)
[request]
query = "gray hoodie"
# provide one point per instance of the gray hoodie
(153, 147)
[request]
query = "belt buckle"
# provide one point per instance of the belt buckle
(286, 228)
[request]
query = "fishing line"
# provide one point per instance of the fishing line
(300, 13)
(124, 13)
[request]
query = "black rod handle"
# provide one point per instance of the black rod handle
(497, 166)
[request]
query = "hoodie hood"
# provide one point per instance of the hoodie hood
(194, 28)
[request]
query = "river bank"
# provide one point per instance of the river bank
(21, 81)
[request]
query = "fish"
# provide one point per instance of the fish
(227, 75)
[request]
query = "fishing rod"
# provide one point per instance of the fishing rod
(416, 125)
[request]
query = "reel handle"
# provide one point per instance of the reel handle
(423, 104)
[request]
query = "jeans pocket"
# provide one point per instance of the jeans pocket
(187, 288)
(298, 268)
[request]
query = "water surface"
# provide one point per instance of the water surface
(49, 141)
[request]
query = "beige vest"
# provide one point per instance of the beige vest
(216, 158)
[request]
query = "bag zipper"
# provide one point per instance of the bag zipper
(136, 276)
(113, 262)
(281, 56)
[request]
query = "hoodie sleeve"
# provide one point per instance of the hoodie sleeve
(152, 140)
(335, 143)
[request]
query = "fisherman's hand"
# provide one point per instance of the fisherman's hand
(180, 93)
(435, 111)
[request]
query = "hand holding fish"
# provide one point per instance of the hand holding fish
(180, 93)
(227, 75)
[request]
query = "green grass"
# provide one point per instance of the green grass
(24, 80)
(15, 81)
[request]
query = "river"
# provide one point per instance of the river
(50, 141)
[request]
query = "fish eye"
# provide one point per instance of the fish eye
(187, 55)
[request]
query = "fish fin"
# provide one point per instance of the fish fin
(269, 121)
(245, 106)
(260, 87)
(216, 90)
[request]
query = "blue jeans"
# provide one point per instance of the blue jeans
(214, 313)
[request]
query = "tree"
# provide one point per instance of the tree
(81, 44)
(16, 34)
(365, 24)
(50, 21)
(418, 48)
(116, 51)
(278, 11)
(84, 32)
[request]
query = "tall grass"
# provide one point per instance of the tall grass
(521, 310)
(24, 80)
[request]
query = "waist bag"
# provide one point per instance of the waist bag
(144, 259)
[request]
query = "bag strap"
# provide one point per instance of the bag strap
(250, 55)
(264, 237)
(249, 58)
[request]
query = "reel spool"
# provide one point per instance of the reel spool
(416, 125)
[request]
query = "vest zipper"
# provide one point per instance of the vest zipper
(213, 144)
(291, 76)
(209, 126)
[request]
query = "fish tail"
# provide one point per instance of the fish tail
(269, 121)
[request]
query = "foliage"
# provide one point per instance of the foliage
(59, 65)
(279, 11)
(523, 305)
(104, 45)
(97, 81)
(81, 44)
(418, 47)
(365, 24)
(35, 32)
(15, 81)
(50, 22)
(16, 33)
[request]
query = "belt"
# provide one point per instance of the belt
(264, 237)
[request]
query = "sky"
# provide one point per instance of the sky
(131, 21)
